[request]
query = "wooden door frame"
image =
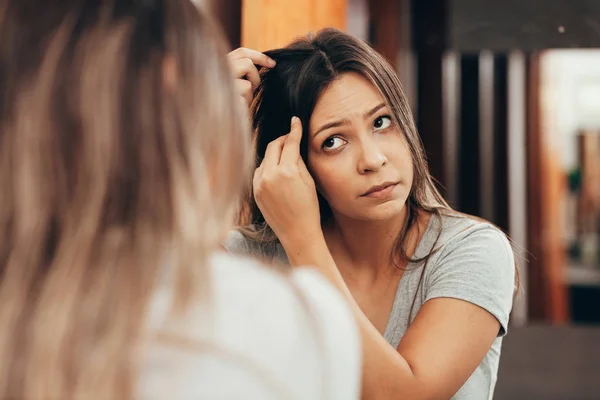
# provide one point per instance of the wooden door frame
(546, 291)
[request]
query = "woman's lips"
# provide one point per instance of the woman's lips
(381, 191)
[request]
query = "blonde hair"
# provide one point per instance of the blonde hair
(121, 142)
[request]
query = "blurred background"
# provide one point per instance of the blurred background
(506, 96)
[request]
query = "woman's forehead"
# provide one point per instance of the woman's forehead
(349, 96)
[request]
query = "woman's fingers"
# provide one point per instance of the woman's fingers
(291, 149)
(285, 150)
(243, 64)
(273, 154)
(244, 89)
(245, 68)
(256, 57)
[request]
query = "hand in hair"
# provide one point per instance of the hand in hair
(243, 63)
(285, 191)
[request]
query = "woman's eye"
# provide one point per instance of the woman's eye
(382, 123)
(333, 143)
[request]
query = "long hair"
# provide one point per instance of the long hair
(307, 67)
(123, 149)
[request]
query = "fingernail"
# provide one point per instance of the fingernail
(295, 120)
(272, 62)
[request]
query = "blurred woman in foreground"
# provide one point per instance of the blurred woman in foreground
(123, 150)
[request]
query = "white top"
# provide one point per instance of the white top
(269, 336)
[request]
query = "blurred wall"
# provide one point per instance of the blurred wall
(572, 84)
(268, 24)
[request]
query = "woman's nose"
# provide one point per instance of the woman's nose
(372, 157)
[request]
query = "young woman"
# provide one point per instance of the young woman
(346, 188)
(123, 154)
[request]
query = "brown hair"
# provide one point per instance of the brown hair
(122, 143)
(305, 69)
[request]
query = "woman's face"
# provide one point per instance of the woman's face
(359, 159)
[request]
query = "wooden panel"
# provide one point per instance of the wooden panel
(268, 24)
(385, 28)
(547, 292)
(536, 293)
(554, 248)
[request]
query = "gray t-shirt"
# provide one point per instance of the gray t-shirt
(474, 262)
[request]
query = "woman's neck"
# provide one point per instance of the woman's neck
(370, 244)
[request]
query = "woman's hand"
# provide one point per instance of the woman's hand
(285, 192)
(243, 64)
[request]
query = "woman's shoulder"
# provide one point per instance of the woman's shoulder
(283, 300)
(242, 282)
(461, 242)
(292, 321)
(457, 230)
(278, 328)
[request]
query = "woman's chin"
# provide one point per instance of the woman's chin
(381, 212)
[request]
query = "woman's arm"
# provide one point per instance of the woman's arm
(441, 349)
(448, 338)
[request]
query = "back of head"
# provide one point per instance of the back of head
(121, 143)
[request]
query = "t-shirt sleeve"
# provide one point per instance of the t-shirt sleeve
(478, 268)
(337, 332)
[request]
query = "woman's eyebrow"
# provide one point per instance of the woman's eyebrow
(342, 122)
(333, 124)
(373, 110)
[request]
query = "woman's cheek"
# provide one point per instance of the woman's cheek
(332, 172)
